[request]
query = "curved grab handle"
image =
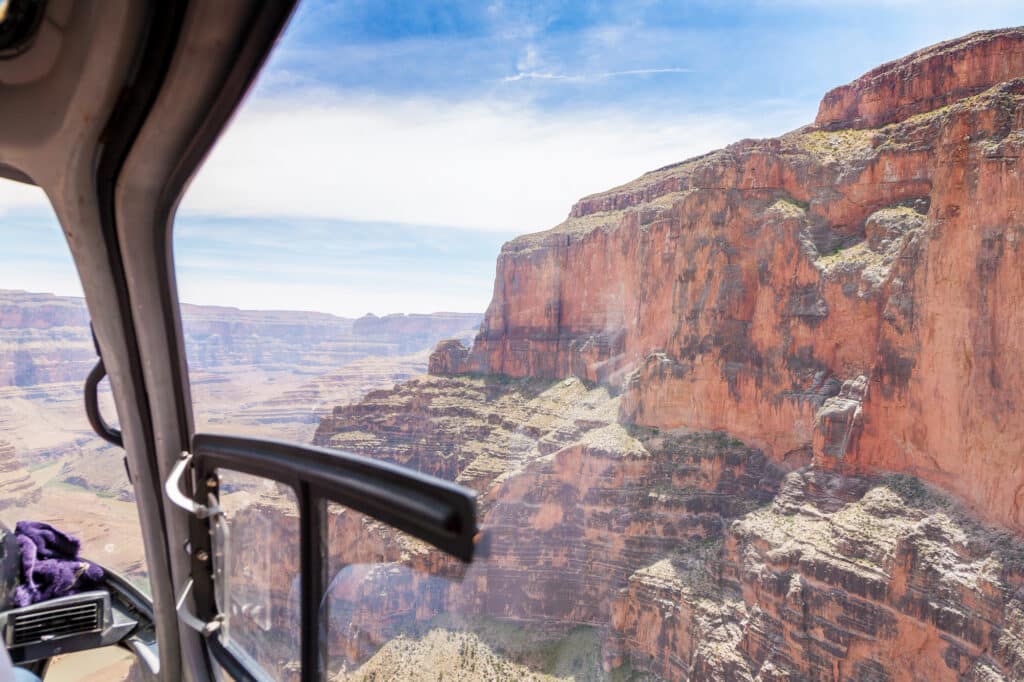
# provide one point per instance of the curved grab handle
(92, 406)
(172, 488)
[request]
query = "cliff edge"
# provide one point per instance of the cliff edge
(845, 294)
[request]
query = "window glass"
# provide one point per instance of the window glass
(256, 558)
(53, 468)
(395, 607)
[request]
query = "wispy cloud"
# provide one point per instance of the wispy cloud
(591, 77)
(481, 164)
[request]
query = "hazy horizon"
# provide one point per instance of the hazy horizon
(389, 150)
(80, 297)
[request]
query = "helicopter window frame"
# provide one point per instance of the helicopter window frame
(436, 511)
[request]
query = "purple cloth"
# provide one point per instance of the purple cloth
(50, 566)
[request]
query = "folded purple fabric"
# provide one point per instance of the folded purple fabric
(50, 566)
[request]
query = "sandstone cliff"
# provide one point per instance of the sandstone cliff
(698, 412)
(690, 554)
(848, 290)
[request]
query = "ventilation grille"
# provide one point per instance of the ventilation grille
(42, 624)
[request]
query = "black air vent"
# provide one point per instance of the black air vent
(43, 624)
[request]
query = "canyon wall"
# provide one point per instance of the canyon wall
(753, 416)
(691, 554)
(43, 339)
(846, 292)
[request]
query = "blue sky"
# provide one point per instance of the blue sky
(390, 148)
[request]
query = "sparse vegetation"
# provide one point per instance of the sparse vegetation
(838, 145)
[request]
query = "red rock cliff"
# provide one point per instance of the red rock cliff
(847, 292)
(687, 554)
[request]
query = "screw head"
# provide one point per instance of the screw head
(211, 482)
(203, 555)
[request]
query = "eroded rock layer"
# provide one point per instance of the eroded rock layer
(878, 250)
(691, 554)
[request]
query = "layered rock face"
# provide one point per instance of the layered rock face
(924, 81)
(219, 337)
(573, 504)
(698, 413)
(690, 555)
(43, 339)
(879, 248)
(46, 339)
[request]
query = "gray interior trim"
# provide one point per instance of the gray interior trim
(12, 173)
(51, 125)
(221, 48)
(58, 99)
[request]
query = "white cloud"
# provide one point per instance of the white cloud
(484, 165)
(589, 77)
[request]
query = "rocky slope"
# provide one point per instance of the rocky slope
(773, 346)
(691, 554)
